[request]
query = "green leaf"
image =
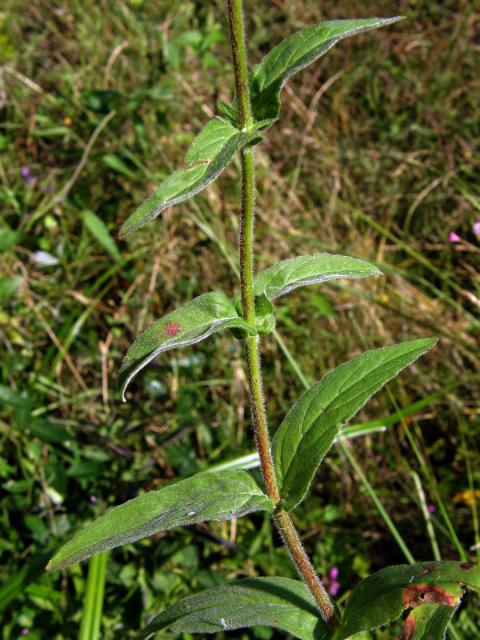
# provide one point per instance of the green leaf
(191, 323)
(264, 316)
(428, 622)
(383, 596)
(118, 165)
(9, 286)
(8, 238)
(208, 156)
(206, 496)
(274, 602)
(99, 231)
(312, 424)
(304, 270)
(295, 53)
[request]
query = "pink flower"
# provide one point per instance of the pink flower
(333, 584)
(476, 228)
(453, 237)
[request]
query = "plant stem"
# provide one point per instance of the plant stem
(93, 602)
(282, 518)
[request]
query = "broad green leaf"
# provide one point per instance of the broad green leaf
(304, 270)
(274, 602)
(208, 156)
(295, 53)
(311, 426)
(191, 323)
(428, 622)
(99, 231)
(206, 496)
(383, 596)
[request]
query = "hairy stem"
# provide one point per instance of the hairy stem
(282, 518)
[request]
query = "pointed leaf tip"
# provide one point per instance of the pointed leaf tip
(208, 156)
(187, 325)
(297, 52)
(312, 424)
(218, 495)
(288, 275)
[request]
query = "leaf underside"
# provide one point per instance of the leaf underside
(208, 156)
(275, 602)
(284, 277)
(295, 53)
(207, 496)
(312, 424)
(187, 325)
(382, 597)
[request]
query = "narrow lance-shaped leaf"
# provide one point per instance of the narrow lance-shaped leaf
(208, 156)
(275, 602)
(305, 270)
(428, 622)
(311, 426)
(100, 232)
(382, 597)
(191, 323)
(295, 53)
(206, 496)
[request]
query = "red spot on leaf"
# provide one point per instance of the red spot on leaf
(172, 328)
(467, 565)
(419, 594)
(408, 630)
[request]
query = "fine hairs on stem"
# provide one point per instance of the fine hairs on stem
(290, 460)
(254, 372)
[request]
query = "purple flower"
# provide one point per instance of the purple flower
(26, 174)
(25, 631)
(453, 237)
(431, 508)
(93, 499)
(476, 228)
(333, 573)
(333, 584)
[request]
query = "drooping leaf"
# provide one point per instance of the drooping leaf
(428, 622)
(99, 231)
(295, 53)
(191, 323)
(206, 496)
(312, 424)
(383, 596)
(304, 270)
(275, 602)
(208, 156)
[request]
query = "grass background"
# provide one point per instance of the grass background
(375, 155)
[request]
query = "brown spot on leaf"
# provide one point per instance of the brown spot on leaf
(428, 569)
(467, 565)
(172, 328)
(419, 594)
(408, 630)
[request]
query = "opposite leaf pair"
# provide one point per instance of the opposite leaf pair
(213, 312)
(300, 444)
(219, 140)
(429, 589)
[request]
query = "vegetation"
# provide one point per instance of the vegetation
(66, 438)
